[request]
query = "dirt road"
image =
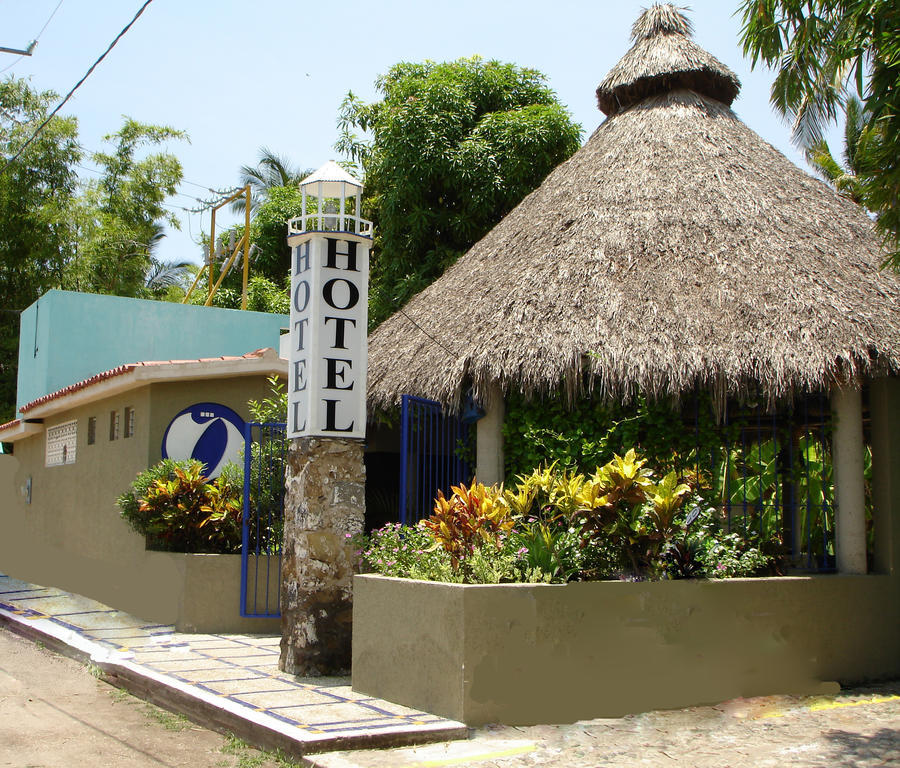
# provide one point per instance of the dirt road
(55, 714)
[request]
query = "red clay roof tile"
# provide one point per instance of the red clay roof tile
(121, 369)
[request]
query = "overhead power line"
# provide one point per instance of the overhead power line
(75, 87)
(205, 187)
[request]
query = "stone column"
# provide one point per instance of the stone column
(884, 406)
(489, 467)
(324, 501)
(849, 482)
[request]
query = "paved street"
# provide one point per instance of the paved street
(859, 728)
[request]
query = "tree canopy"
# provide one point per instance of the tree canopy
(123, 212)
(452, 148)
(844, 174)
(57, 232)
(36, 228)
(823, 50)
(272, 172)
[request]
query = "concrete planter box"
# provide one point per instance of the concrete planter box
(524, 654)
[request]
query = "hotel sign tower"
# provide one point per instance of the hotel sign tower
(325, 475)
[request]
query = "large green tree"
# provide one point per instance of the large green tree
(121, 213)
(37, 194)
(451, 148)
(57, 232)
(824, 49)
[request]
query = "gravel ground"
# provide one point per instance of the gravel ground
(858, 728)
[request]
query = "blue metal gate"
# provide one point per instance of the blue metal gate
(432, 456)
(265, 454)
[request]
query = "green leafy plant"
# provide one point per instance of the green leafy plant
(469, 518)
(403, 551)
(554, 525)
(271, 409)
(180, 510)
(549, 550)
(730, 555)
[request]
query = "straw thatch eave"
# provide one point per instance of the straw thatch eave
(675, 248)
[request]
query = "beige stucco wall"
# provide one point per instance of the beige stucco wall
(72, 510)
(72, 537)
(521, 654)
(211, 596)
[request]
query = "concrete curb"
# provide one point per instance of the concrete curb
(257, 728)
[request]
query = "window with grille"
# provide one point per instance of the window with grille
(92, 430)
(61, 441)
(129, 422)
(113, 425)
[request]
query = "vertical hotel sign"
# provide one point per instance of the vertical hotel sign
(329, 308)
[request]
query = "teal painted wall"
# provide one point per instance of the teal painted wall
(66, 337)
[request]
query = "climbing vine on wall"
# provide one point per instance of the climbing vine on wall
(586, 434)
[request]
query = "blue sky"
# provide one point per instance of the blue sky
(240, 75)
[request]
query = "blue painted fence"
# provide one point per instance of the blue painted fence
(265, 454)
(432, 456)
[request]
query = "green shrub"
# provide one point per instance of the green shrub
(177, 509)
(554, 526)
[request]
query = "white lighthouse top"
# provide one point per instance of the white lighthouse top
(332, 177)
(331, 202)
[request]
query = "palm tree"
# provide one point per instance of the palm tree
(858, 141)
(272, 171)
(162, 275)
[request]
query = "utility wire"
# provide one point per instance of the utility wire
(76, 87)
(205, 187)
(448, 351)
(179, 194)
(36, 37)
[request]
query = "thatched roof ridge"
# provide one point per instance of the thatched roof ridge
(676, 247)
(664, 58)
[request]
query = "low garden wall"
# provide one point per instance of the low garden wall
(542, 653)
(196, 593)
(211, 595)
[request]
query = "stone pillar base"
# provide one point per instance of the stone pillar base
(324, 501)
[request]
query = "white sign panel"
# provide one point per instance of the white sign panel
(328, 359)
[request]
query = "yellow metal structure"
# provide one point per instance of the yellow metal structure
(243, 243)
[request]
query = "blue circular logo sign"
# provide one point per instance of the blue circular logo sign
(211, 433)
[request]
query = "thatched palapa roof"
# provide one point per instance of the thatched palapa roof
(675, 248)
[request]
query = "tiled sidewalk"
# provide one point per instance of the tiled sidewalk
(229, 682)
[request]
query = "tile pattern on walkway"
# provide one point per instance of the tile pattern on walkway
(238, 673)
